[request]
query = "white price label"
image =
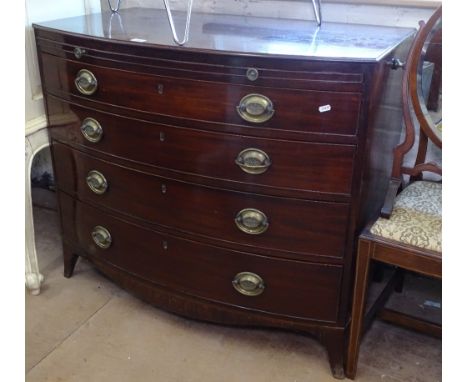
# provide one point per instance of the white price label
(324, 108)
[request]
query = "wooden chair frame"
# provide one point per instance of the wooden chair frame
(375, 248)
(372, 248)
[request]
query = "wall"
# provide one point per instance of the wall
(331, 12)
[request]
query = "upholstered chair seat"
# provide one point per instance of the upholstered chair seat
(416, 218)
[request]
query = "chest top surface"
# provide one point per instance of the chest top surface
(238, 34)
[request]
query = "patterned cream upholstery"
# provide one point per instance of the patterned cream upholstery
(416, 217)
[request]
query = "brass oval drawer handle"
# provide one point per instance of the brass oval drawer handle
(255, 108)
(96, 182)
(251, 221)
(248, 284)
(101, 236)
(91, 130)
(86, 82)
(253, 161)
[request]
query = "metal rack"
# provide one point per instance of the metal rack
(187, 22)
(317, 5)
(114, 10)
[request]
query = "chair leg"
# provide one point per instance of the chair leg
(400, 280)
(359, 305)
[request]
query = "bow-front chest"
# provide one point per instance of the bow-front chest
(227, 179)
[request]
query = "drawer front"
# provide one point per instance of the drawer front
(266, 71)
(282, 164)
(283, 287)
(262, 222)
(287, 109)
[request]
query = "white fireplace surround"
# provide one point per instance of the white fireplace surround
(36, 140)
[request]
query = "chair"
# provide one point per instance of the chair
(407, 234)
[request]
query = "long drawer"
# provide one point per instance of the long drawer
(248, 70)
(281, 164)
(281, 287)
(265, 223)
(327, 112)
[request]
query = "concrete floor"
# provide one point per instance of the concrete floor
(87, 329)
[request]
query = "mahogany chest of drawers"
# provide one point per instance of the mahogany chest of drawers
(225, 180)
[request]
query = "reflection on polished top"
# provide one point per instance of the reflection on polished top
(240, 34)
